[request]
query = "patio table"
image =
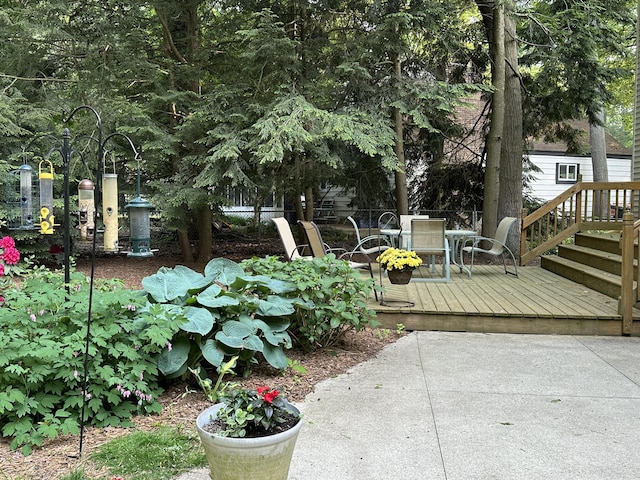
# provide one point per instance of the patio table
(457, 239)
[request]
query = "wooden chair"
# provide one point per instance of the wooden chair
(292, 251)
(428, 238)
(319, 249)
(498, 245)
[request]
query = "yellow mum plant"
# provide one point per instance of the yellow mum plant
(399, 259)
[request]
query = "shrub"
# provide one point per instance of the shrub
(42, 346)
(223, 313)
(337, 291)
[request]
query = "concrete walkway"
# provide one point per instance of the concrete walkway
(460, 406)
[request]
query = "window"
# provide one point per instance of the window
(567, 172)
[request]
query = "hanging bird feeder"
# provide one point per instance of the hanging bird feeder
(45, 175)
(21, 193)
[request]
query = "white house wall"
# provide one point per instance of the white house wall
(544, 185)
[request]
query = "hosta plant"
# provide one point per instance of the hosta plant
(223, 312)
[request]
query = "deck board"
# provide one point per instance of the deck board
(538, 301)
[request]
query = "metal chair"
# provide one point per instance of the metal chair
(292, 250)
(387, 220)
(319, 249)
(498, 245)
(369, 245)
(428, 238)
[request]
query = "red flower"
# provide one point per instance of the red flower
(267, 394)
(269, 397)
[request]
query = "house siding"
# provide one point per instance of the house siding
(545, 187)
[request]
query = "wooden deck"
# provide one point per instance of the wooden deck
(538, 301)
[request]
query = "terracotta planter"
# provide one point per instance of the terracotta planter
(264, 458)
(400, 277)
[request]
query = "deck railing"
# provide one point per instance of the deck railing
(630, 250)
(584, 206)
(589, 206)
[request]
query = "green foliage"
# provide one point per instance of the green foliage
(42, 363)
(213, 391)
(337, 291)
(246, 412)
(224, 312)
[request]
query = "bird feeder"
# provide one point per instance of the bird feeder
(140, 227)
(45, 175)
(86, 209)
(21, 193)
(110, 211)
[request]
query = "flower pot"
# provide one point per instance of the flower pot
(266, 458)
(400, 277)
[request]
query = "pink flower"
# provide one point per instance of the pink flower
(1, 269)
(7, 242)
(11, 255)
(1, 299)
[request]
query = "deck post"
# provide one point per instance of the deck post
(626, 301)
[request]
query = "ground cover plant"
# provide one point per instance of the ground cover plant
(42, 370)
(337, 292)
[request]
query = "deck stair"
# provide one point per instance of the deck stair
(593, 260)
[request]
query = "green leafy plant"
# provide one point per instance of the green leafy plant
(337, 292)
(245, 412)
(222, 313)
(42, 341)
(213, 390)
(253, 413)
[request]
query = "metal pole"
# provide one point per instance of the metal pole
(66, 158)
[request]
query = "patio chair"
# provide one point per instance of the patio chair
(387, 220)
(405, 228)
(428, 238)
(369, 245)
(319, 249)
(498, 245)
(292, 251)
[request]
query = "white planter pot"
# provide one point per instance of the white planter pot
(264, 458)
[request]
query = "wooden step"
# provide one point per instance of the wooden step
(601, 281)
(608, 262)
(606, 242)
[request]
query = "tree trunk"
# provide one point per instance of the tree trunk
(402, 196)
(494, 138)
(599, 163)
(510, 195)
(185, 246)
(205, 234)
